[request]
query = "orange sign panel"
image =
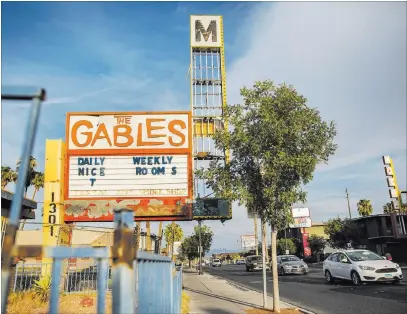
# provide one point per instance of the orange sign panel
(141, 161)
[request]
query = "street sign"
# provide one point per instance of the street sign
(210, 208)
(301, 222)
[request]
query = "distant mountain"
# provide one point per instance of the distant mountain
(219, 251)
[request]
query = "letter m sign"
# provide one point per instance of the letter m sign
(206, 31)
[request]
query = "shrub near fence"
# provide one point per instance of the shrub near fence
(77, 278)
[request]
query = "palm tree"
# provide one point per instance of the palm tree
(388, 208)
(173, 233)
(37, 182)
(365, 208)
(8, 175)
(34, 178)
(30, 174)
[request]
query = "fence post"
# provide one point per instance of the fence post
(123, 290)
(14, 272)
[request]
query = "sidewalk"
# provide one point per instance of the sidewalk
(209, 294)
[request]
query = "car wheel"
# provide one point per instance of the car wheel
(328, 277)
(355, 278)
(282, 272)
(396, 282)
(305, 273)
(247, 269)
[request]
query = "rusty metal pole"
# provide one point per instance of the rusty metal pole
(15, 211)
(123, 277)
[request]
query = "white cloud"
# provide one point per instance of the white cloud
(347, 58)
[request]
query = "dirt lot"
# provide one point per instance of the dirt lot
(28, 303)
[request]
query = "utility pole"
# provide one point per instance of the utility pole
(347, 196)
(256, 236)
(160, 236)
(200, 247)
(173, 239)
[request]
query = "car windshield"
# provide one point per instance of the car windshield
(215, 260)
(289, 259)
(256, 258)
(358, 256)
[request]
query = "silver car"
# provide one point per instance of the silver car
(291, 264)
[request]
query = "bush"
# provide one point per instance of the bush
(42, 288)
(185, 303)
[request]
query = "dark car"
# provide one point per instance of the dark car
(255, 262)
(291, 264)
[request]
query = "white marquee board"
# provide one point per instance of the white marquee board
(128, 176)
(206, 31)
(300, 212)
(248, 241)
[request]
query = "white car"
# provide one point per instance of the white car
(360, 266)
(240, 262)
(216, 263)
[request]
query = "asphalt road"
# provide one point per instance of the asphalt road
(312, 293)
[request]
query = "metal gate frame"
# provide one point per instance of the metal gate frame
(128, 269)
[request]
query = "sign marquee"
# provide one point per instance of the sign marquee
(206, 31)
(128, 158)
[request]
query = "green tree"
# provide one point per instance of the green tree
(388, 208)
(341, 231)
(189, 249)
(277, 142)
(173, 233)
(8, 175)
(286, 244)
(206, 238)
(190, 245)
(317, 244)
(365, 208)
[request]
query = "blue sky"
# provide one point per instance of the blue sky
(347, 58)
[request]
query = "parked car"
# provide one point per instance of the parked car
(240, 262)
(291, 264)
(361, 266)
(178, 265)
(255, 262)
(216, 263)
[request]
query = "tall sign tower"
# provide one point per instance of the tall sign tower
(208, 99)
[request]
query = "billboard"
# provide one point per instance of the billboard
(141, 161)
(301, 222)
(300, 212)
(177, 247)
(248, 241)
(206, 31)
